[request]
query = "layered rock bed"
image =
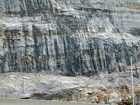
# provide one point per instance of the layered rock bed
(63, 36)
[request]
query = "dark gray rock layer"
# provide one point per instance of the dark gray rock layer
(61, 36)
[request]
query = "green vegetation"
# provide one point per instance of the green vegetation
(70, 74)
(46, 19)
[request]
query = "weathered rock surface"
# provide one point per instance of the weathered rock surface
(75, 36)
(102, 88)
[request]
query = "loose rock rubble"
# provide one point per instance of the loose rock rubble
(95, 89)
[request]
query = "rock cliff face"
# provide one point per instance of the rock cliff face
(75, 36)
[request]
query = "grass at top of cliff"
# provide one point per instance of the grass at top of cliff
(131, 5)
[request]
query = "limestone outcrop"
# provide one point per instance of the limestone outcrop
(80, 37)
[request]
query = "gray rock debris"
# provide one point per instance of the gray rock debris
(63, 88)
